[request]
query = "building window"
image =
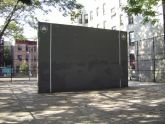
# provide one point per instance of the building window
(27, 58)
(131, 37)
(27, 49)
(114, 28)
(80, 19)
(86, 18)
(104, 24)
(121, 20)
(97, 11)
(130, 19)
(91, 15)
(113, 13)
(20, 57)
(19, 48)
(104, 5)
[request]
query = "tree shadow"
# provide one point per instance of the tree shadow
(135, 104)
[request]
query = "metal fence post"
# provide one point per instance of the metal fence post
(12, 63)
(153, 59)
(164, 42)
(137, 59)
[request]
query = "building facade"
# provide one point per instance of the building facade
(108, 14)
(25, 52)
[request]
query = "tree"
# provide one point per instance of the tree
(24, 11)
(7, 56)
(24, 68)
(144, 7)
(14, 31)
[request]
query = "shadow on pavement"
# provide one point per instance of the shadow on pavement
(141, 103)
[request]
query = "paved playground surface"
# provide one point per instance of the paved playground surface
(140, 103)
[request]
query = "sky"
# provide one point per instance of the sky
(54, 17)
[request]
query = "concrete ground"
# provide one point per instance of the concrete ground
(140, 103)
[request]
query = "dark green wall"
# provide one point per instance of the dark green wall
(82, 58)
(44, 58)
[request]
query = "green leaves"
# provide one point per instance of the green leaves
(14, 30)
(146, 8)
(75, 15)
(24, 68)
(23, 12)
(7, 55)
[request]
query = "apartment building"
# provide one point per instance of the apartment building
(25, 51)
(108, 14)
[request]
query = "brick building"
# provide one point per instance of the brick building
(25, 51)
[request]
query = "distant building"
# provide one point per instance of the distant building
(25, 51)
(108, 14)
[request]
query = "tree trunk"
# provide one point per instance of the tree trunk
(8, 19)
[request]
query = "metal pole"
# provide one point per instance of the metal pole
(137, 59)
(120, 55)
(120, 83)
(153, 59)
(29, 64)
(50, 58)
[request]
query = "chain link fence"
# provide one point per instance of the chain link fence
(148, 61)
(19, 62)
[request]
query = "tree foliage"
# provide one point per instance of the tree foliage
(24, 68)
(7, 56)
(14, 30)
(21, 12)
(146, 8)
